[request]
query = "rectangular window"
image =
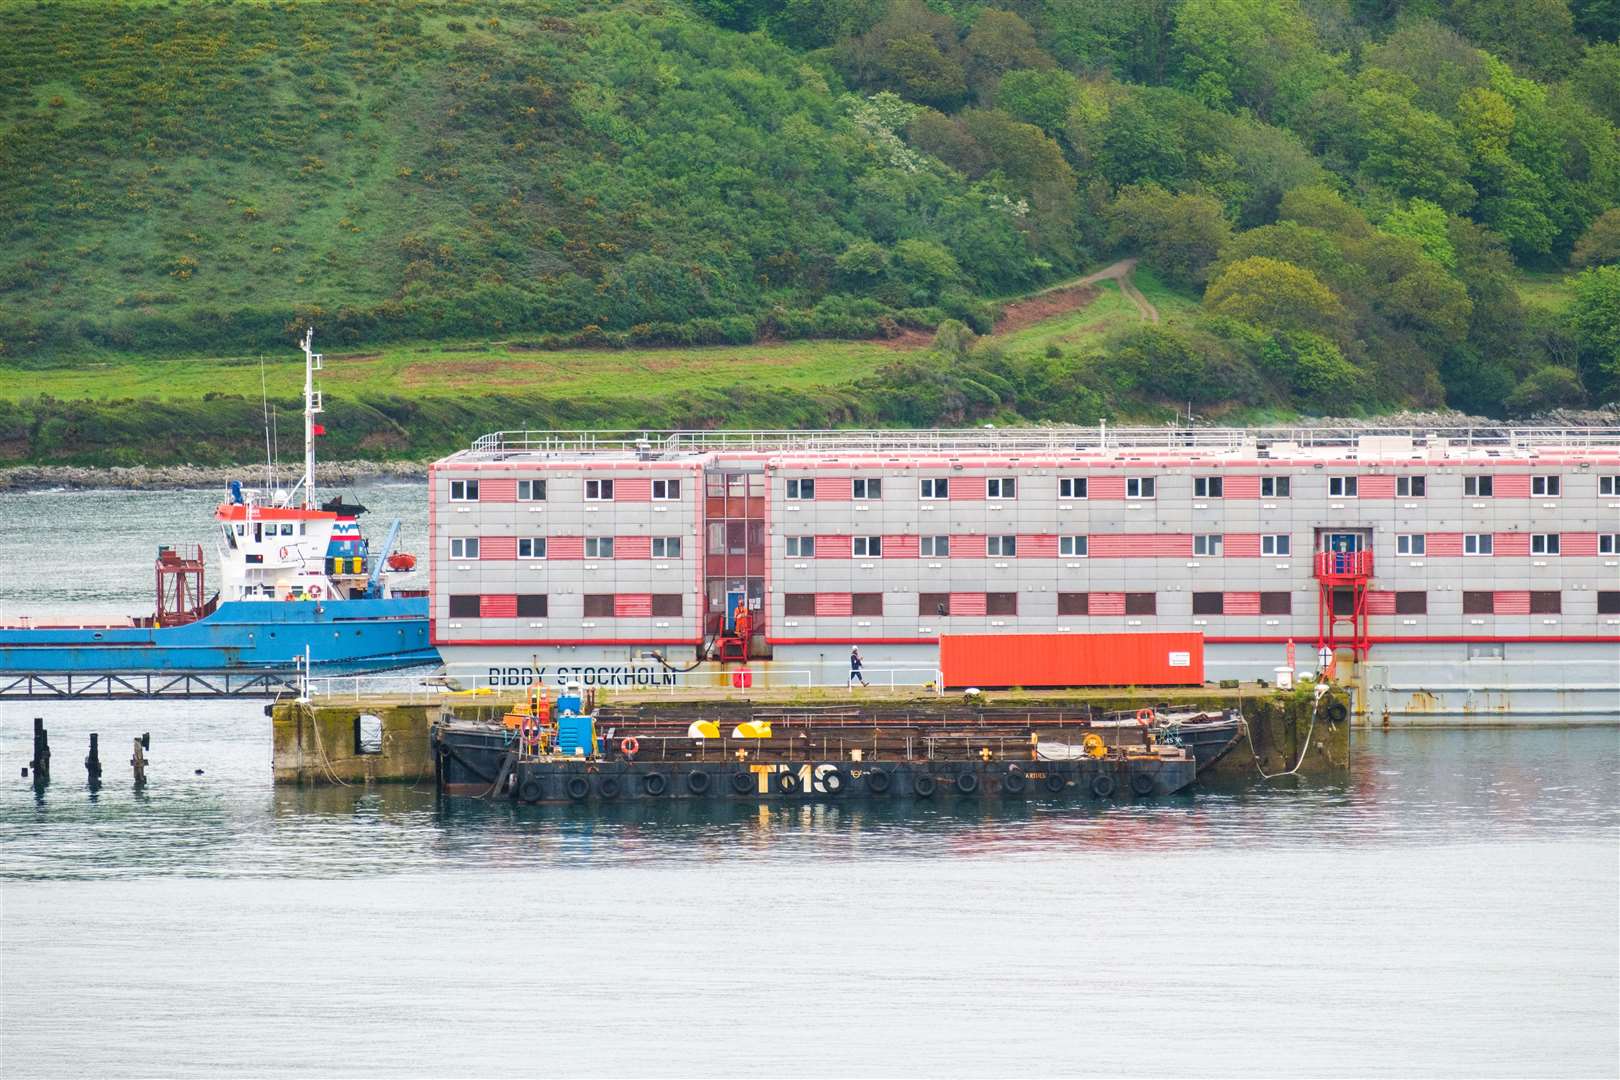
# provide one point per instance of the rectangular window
(1139, 487)
(1477, 603)
(1141, 603)
(1412, 602)
(935, 547)
(799, 603)
(1608, 543)
(866, 603)
(1207, 487)
(531, 491)
(801, 547)
(1609, 485)
(464, 547)
(934, 488)
(1410, 543)
(666, 547)
(1478, 487)
(287, 529)
(1274, 487)
(1546, 602)
(464, 491)
(599, 605)
(1411, 487)
(801, 489)
(666, 490)
(1004, 546)
(1072, 547)
(867, 547)
(598, 490)
(599, 547)
(1477, 543)
(1276, 544)
(1543, 543)
(1073, 603)
(1001, 487)
(933, 604)
(464, 607)
(1342, 487)
(1001, 603)
(531, 547)
(870, 490)
(1207, 544)
(1072, 487)
(1276, 603)
(1206, 603)
(1609, 602)
(666, 605)
(1546, 487)
(531, 605)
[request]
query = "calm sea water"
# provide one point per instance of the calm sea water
(1451, 909)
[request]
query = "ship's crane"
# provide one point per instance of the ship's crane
(374, 579)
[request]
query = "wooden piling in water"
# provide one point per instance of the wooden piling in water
(92, 762)
(41, 763)
(138, 763)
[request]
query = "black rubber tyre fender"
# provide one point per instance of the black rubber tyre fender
(1102, 785)
(922, 785)
(531, 790)
(967, 782)
(1141, 784)
(834, 782)
(787, 782)
(655, 783)
(1336, 712)
(743, 783)
(697, 782)
(608, 787)
(578, 787)
(1014, 782)
(878, 781)
(1055, 781)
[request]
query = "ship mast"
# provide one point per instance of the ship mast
(312, 405)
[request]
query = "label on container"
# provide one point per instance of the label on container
(1181, 659)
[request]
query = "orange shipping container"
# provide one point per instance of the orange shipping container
(1072, 659)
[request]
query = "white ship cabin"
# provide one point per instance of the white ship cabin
(275, 552)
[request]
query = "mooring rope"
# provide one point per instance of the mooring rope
(1305, 746)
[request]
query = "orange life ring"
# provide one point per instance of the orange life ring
(630, 746)
(1144, 717)
(283, 553)
(315, 592)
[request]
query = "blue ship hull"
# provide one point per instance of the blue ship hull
(346, 635)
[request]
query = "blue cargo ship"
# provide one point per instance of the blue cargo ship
(299, 584)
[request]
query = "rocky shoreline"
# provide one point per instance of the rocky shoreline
(174, 477)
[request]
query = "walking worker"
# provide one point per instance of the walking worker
(855, 666)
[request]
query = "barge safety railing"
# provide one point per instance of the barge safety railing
(470, 686)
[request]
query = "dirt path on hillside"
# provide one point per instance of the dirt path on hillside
(1073, 295)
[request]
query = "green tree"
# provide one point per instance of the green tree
(1177, 235)
(812, 24)
(1596, 79)
(1424, 222)
(1600, 243)
(1538, 34)
(1409, 151)
(1277, 295)
(1550, 387)
(1258, 54)
(1597, 20)
(1042, 97)
(999, 42)
(1594, 320)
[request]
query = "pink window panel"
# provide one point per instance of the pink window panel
(497, 491)
(1037, 546)
(1515, 486)
(505, 607)
(834, 488)
(1511, 543)
(1241, 545)
(1375, 487)
(1140, 545)
(1443, 544)
(834, 603)
(967, 603)
(1380, 602)
(1578, 543)
(632, 489)
(1105, 603)
(1511, 602)
(1105, 487)
(496, 547)
(967, 488)
(565, 547)
(632, 547)
(632, 605)
(968, 546)
(906, 547)
(1241, 487)
(1240, 603)
(834, 547)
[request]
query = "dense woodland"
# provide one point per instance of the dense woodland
(1352, 190)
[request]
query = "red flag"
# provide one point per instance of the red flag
(318, 429)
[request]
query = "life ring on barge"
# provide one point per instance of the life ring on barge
(314, 592)
(629, 746)
(1145, 717)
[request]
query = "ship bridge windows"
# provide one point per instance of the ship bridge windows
(463, 491)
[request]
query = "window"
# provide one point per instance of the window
(801, 547)
(1476, 543)
(532, 547)
(1276, 603)
(531, 605)
(801, 489)
(934, 487)
(666, 547)
(1207, 544)
(1072, 547)
(1478, 487)
(1477, 603)
(464, 607)
(1001, 487)
(1274, 487)
(464, 547)
(1207, 603)
(933, 604)
(599, 547)
(1072, 487)
(1608, 543)
(1609, 602)
(799, 603)
(1543, 543)
(867, 547)
(1139, 487)
(1609, 485)
(531, 491)
(598, 490)
(1411, 487)
(866, 603)
(1342, 487)
(869, 490)
(666, 605)
(599, 605)
(666, 490)
(1207, 487)
(1410, 543)
(1006, 546)
(463, 491)
(1073, 603)
(1546, 487)
(1141, 603)
(935, 547)
(1412, 602)
(1546, 602)
(1001, 603)
(287, 529)
(1275, 544)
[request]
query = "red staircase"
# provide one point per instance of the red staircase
(179, 585)
(1335, 571)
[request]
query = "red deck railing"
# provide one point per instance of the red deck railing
(1344, 565)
